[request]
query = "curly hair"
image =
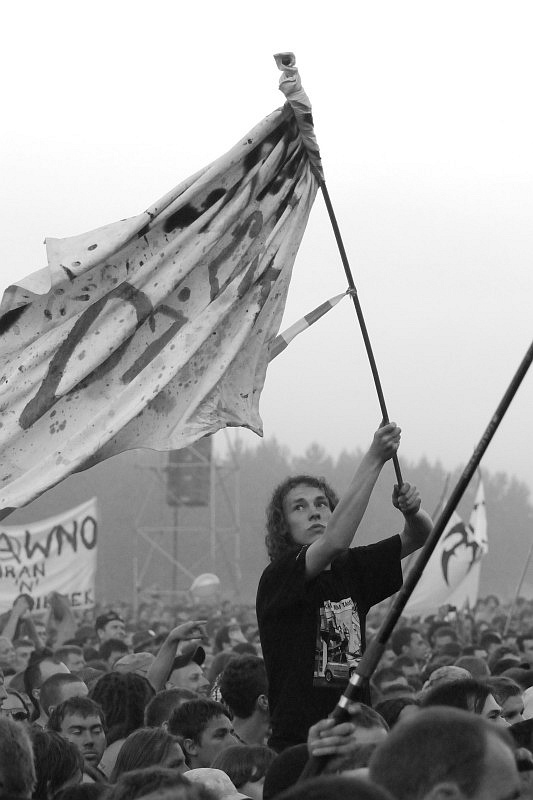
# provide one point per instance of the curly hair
(123, 698)
(278, 539)
(243, 680)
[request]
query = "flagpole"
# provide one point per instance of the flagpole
(291, 87)
(359, 312)
(374, 652)
(520, 582)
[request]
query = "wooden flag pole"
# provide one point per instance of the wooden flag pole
(372, 656)
(359, 312)
(291, 87)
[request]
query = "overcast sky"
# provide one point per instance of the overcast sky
(423, 114)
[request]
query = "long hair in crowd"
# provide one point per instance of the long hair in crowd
(278, 539)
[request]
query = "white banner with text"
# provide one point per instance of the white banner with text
(53, 555)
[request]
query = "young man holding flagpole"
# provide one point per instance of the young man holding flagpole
(313, 598)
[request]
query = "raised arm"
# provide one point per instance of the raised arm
(344, 521)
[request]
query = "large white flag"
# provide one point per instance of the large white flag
(451, 575)
(57, 554)
(154, 331)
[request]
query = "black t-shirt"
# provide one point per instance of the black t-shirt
(313, 632)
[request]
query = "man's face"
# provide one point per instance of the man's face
(307, 513)
(115, 629)
(87, 733)
(500, 780)
(513, 709)
(217, 736)
(74, 662)
(441, 640)
(7, 652)
(23, 653)
(189, 677)
(418, 647)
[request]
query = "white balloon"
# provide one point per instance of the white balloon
(205, 585)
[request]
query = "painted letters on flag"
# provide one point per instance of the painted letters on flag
(54, 555)
(451, 575)
(154, 331)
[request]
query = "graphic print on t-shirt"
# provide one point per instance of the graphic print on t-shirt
(338, 642)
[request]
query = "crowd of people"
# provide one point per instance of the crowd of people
(221, 701)
(139, 706)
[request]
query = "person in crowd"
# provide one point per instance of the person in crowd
(246, 765)
(397, 709)
(509, 695)
(187, 672)
(17, 770)
(58, 764)
(204, 730)
(14, 706)
(490, 641)
(390, 678)
(408, 641)
(524, 643)
(110, 626)
(157, 783)
(440, 635)
(315, 575)
(468, 695)
(58, 688)
(81, 721)
(159, 710)
(332, 787)
(41, 667)
(446, 753)
(84, 791)
(7, 656)
(476, 667)
(217, 782)
(350, 745)
(149, 747)
(111, 650)
(244, 689)
(71, 655)
(123, 699)
(23, 650)
(285, 770)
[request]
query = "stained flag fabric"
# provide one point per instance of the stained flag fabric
(154, 331)
(451, 576)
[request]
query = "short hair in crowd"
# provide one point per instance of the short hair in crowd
(467, 694)
(277, 539)
(191, 719)
(67, 650)
(436, 745)
(244, 763)
(112, 646)
(83, 706)
(160, 707)
(401, 638)
(51, 689)
(16, 758)
(243, 680)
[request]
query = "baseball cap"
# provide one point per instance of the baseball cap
(191, 652)
(217, 781)
(139, 663)
(103, 619)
